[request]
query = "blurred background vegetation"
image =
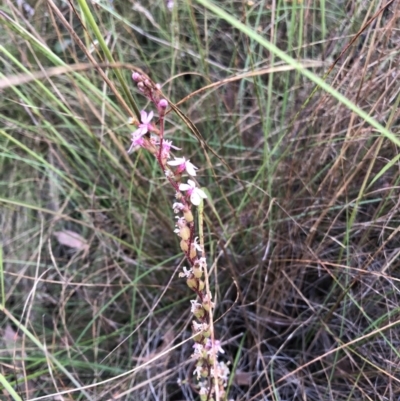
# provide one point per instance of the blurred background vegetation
(302, 222)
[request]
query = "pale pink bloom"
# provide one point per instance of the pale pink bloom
(217, 347)
(196, 194)
(145, 125)
(195, 306)
(186, 273)
(182, 165)
(203, 263)
(197, 372)
(177, 207)
(196, 245)
(222, 372)
(180, 222)
(198, 348)
(144, 128)
(204, 390)
(199, 326)
(137, 142)
(166, 148)
(207, 300)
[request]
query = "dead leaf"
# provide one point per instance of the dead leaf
(71, 239)
(9, 336)
(242, 378)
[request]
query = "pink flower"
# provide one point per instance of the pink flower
(198, 371)
(166, 148)
(222, 372)
(217, 347)
(183, 165)
(196, 194)
(186, 273)
(204, 390)
(145, 126)
(177, 207)
(203, 263)
(137, 142)
(195, 306)
(198, 348)
(198, 327)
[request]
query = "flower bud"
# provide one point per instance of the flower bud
(163, 104)
(181, 222)
(207, 306)
(192, 283)
(207, 303)
(201, 285)
(193, 252)
(136, 77)
(188, 216)
(206, 333)
(198, 273)
(133, 121)
(184, 233)
(199, 313)
(184, 246)
(200, 339)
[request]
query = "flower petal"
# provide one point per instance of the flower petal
(195, 198)
(190, 168)
(143, 116)
(184, 187)
(148, 117)
(178, 161)
(137, 133)
(201, 193)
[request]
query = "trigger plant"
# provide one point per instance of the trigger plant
(211, 374)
